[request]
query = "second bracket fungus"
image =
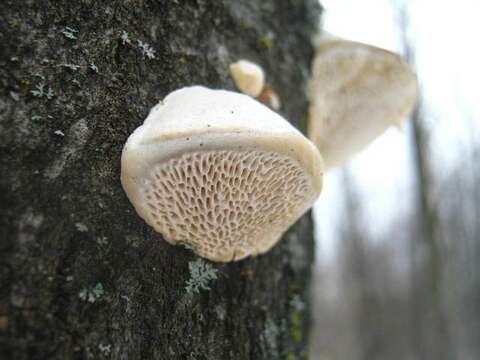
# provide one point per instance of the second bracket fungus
(248, 76)
(357, 91)
(220, 172)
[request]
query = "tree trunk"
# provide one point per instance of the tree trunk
(430, 332)
(82, 276)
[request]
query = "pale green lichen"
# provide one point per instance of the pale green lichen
(201, 274)
(93, 67)
(102, 241)
(125, 37)
(133, 240)
(39, 76)
(37, 117)
(297, 252)
(146, 49)
(220, 312)
(92, 294)
(297, 304)
(69, 33)
(194, 355)
(105, 349)
(81, 227)
(270, 336)
(72, 67)
(41, 91)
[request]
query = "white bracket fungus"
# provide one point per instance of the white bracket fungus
(220, 172)
(248, 77)
(356, 92)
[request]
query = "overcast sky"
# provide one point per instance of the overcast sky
(448, 62)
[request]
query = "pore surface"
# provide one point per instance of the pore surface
(227, 204)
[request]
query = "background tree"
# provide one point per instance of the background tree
(403, 282)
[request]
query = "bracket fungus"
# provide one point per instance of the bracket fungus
(356, 92)
(248, 77)
(219, 172)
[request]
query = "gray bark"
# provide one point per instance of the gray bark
(430, 332)
(82, 276)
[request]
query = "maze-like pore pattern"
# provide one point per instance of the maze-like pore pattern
(227, 204)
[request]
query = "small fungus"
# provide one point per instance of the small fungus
(248, 76)
(356, 93)
(270, 98)
(220, 172)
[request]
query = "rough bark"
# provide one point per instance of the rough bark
(67, 230)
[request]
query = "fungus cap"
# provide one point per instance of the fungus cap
(219, 172)
(356, 92)
(248, 76)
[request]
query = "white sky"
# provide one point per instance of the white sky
(448, 63)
